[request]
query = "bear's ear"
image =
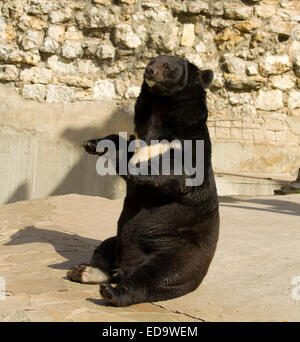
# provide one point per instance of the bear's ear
(205, 77)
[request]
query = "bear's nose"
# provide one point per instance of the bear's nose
(150, 71)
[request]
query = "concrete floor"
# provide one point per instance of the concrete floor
(255, 275)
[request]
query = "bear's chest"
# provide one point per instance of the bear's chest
(156, 127)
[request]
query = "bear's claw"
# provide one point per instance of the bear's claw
(107, 292)
(90, 146)
(76, 273)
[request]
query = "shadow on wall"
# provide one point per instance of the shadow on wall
(20, 194)
(271, 205)
(83, 178)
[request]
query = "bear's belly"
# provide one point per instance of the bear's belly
(145, 227)
(151, 231)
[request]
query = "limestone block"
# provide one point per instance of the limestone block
(72, 33)
(57, 93)
(50, 46)
(280, 26)
(7, 30)
(294, 99)
(32, 39)
(275, 64)
(252, 69)
(54, 63)
(61, 16)
(34, 91)
(38, 7)
(269, 100)
(188, 35)
(265, 10)
(15, 7)
(115, 68)
(164, 35)
(8, 72)
(56, 32)
(93, 17)
(72, 49)
(179, 6)
(216, 8)
(282, 82)
(91, 45)
(236, 10)
(198, 7)
(105, 50)
(239, 98)
(29, 57)
(171, 42)
(125, 37)
(36, 75)
(235, 65)
(5, 51)
(201, 47)
(87, 66)
(104, 90)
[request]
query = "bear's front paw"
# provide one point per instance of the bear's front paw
(90, 146)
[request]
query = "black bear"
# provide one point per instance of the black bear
(168, 230)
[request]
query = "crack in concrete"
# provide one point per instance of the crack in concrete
(178, 312)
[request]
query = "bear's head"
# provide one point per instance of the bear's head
(167, 75)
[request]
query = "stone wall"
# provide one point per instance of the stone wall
(96, 50)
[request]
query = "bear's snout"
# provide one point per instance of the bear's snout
(150, 71)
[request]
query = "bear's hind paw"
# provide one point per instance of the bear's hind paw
(86, 274)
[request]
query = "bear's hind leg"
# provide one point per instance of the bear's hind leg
(160, 277)
(102, 265)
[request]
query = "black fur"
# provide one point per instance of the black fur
(167, 231)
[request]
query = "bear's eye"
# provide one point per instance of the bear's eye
(166, 66)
